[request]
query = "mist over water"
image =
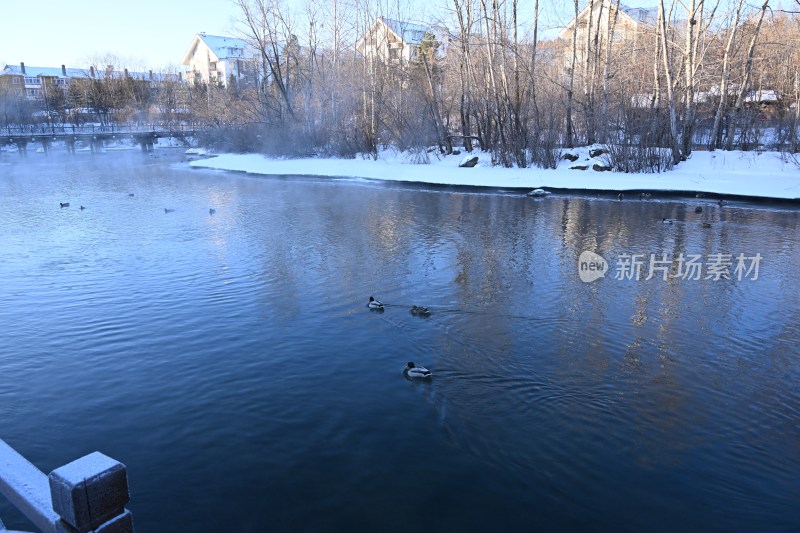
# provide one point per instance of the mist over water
(230, 361)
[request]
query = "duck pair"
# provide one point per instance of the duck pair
(416, 310)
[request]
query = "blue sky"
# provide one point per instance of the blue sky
(153, 34)
(150, 33)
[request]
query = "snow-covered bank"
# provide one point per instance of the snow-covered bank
(726, 173)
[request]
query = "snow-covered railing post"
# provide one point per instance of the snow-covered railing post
(88, 494)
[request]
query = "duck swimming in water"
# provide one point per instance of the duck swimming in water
(667, 221)
(63, 204)
(374, 304)
(168, 210)
(420, 311)
(413, 371)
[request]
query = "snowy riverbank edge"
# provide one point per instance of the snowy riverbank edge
(764, 175)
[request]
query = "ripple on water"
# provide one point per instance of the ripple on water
(215, 352)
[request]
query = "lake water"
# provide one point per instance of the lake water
(229, 360)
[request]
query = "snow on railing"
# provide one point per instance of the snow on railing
(88, 494)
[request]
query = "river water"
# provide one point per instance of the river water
(229, 359)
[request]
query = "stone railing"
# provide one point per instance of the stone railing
(88, 494)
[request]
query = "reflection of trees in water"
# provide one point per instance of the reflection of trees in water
(499, 273)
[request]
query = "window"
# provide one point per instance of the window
(17, 80)
(212, 66)
(31, 80)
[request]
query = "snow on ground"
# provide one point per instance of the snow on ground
(763, 174)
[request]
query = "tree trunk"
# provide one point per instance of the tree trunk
(673, 119)
(716, 130)
(571, 83)
(748, 67)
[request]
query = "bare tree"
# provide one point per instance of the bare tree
(663, 16)
(571, 82)
(716, 131)
(744, 85)
(269, 29)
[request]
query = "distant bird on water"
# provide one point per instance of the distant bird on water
(63, 204)
(82, 208)
(168, 210)
(131, 194)
(374, 304)
(211, 211)
(698, 209)
(620, 196)
(420, 311)
(667, 221)
(413, 371)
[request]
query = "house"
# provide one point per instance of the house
(34, 82)
(629, 21)
(219, 60)
(398, 41)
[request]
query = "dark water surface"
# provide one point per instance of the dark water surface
(230, 362)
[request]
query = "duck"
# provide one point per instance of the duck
(82, 208)
(620, 196)
(698, 209)
(63, 204)
(413, 371)
(722, 202)
(667, 221)
(130, 194)
(211, 211)
(645, 196)
(420, 311)
(168, 210)
(374, 304)
(706, 225)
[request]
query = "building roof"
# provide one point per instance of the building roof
(645, 15)
(225, 47)
(81, 73)
(54, 72)
(409, 32)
